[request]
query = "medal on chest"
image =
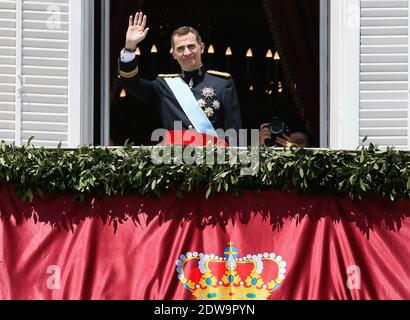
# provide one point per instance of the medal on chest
(208, 102)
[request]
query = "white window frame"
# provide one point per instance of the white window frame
(324, 73)
(344, 74)
(105, 72)
(81, 73)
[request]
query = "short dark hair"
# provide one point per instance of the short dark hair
(183, 31)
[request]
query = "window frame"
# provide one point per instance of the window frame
(339, 74)
(324, 73)
(344, 74)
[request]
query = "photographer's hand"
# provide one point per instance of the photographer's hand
(136, 30)
(286, 141)
(264, 134)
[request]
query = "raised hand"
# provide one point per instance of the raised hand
(136, 30)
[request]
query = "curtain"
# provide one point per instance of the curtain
(132, 247)
(295, 28)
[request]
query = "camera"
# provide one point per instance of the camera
(277, 127)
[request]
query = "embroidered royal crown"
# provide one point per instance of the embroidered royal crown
(209, 277)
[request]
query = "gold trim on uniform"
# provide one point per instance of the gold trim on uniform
(220, 74)
(173, 75)
(130, 74)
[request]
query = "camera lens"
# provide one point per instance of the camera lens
(276, 126)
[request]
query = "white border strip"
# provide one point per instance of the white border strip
(105, 73)
(81, 73)
(344, 74)
(74, 73)
(324, 73)
(87, 74)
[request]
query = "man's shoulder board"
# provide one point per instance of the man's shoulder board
(172, 75)
(219, 74)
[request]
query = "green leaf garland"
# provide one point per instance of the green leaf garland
(102, 171)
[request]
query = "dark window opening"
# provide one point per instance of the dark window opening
(240, 26)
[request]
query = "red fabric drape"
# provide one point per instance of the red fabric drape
(295, 28)
(333, 248)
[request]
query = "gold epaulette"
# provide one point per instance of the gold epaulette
(130, 74)
(172, 75)
(219, 74)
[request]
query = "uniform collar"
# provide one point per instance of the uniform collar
(193, 76)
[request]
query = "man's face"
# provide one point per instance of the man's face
(187, 51)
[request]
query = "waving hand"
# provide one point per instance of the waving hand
(136, 30)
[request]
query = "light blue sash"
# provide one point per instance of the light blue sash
(190, 105)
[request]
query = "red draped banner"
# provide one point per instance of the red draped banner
(273, 245)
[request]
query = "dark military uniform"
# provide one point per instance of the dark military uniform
(215, 92)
